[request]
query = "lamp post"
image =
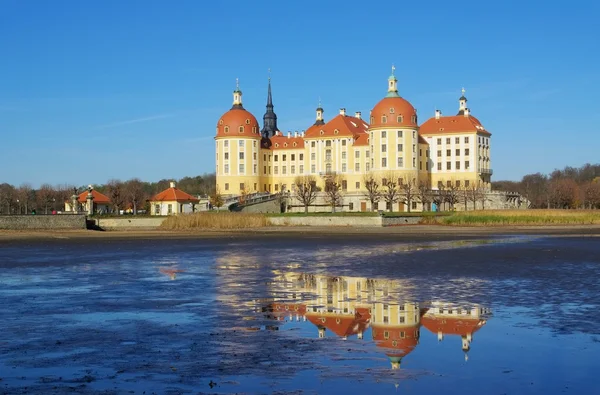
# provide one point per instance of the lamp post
(19, 206)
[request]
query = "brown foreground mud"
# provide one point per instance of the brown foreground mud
(403, 233)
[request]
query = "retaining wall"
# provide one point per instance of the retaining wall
(325, 221)
(129, 222)
(394, 221)
(42, 222)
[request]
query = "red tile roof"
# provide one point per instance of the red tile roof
(237, 118)
(398, 112)
(342, 325)
(99, 198)
(279, 141)
(173, 195)
(452, 325)
(400, 340)
(453, 124)
(346, 126)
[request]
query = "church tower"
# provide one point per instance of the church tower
(270, 118)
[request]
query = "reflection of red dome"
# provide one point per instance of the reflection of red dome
(397, 341)
(343, 325)
(238, 122)
(452, 325)
(397, 111)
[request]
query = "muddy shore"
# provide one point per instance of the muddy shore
(405, 233)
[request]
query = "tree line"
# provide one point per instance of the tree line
(131, 194)
(390, 189)
(568, 188)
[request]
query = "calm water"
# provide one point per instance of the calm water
(495, 316)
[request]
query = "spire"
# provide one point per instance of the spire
(320, 112)
(462, 102)
(392, 84)
(270, 118)
(237, 95)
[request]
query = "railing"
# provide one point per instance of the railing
(486, 171)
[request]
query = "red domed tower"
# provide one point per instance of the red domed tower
(394, 139)
(237, 150)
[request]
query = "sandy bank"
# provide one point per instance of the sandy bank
(409, 232)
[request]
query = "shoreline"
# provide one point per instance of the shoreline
(405, 232)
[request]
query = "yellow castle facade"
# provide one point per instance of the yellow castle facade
(389, 144)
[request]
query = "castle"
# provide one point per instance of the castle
(444, 151)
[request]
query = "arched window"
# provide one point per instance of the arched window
(226, 129)
(372, 119)
(383, 119)
(241, 129)
(400, 118)
(328, 143)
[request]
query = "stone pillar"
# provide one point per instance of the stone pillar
(90, 201)
(74, 201)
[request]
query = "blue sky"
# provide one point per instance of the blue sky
(117, 89)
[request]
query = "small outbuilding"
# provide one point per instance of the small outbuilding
(173, 201)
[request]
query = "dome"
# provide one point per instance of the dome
(393, 112)
(238, 122)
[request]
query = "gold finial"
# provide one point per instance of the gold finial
(393, 69)
(463, 91)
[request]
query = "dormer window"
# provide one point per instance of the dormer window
(241, 129)
(247, 122)
(221, 122)
(226, 129)
(372, 119)
(400, 119)
(276, 145)
(285, 144)
(322, 132)
(413, 119)
(383, 119)
(295, 144)
(392, 110)
(336, 131)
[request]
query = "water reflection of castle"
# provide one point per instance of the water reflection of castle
(348, 306)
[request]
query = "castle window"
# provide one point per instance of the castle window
(448, 140)
(241, 129)
(448, 166)
(226, 186)
(312, 156)
(221, 122)
(457, 140)
(466, 140)
(276, 158)
(358, 187)
(241, 156)
(343, 169)
(276, 145)
(284, 157)
(301, 156)
(328, 143)
(383, 119)
(400, 148)
(439, 141)
(413, 119)
(344, 155)
(322, 132)
(458, 152)
(313, 169)
(467, 165)
(276, 170)
(253, 129)
(383, 162)
(357, 167)
(293, 156)
(294, 144)
(313, 144)
(400, 119)
(399, 134)
(285, 144)
(458, 183)
(226, 155)
(357, 154)
(283, 170)
(226, 129)
(226, 169)
(467, 185)
(383, 147)
(241, 143)
(384, 134)
(400, 162)
(336, 131)
(372, 119)
(254, 156)
(293, 169)
(448, 152)
(439, 166)
(241, 168)
(301, 169)
(344, 143)
(392, 110)
(467, 151)
(247, 122)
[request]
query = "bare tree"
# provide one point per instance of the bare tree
(24, 197)
(44, 196)
(134, 193)
(391, 192)
(7, 197)
(216, 199)
(563, 192)
(475, 194)
(62, 194)
(372, 187)
(424, 194)
(333, 190)
(591, 192)
(408, 191)
(451, 193)
(306, 190)
(116, 192)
